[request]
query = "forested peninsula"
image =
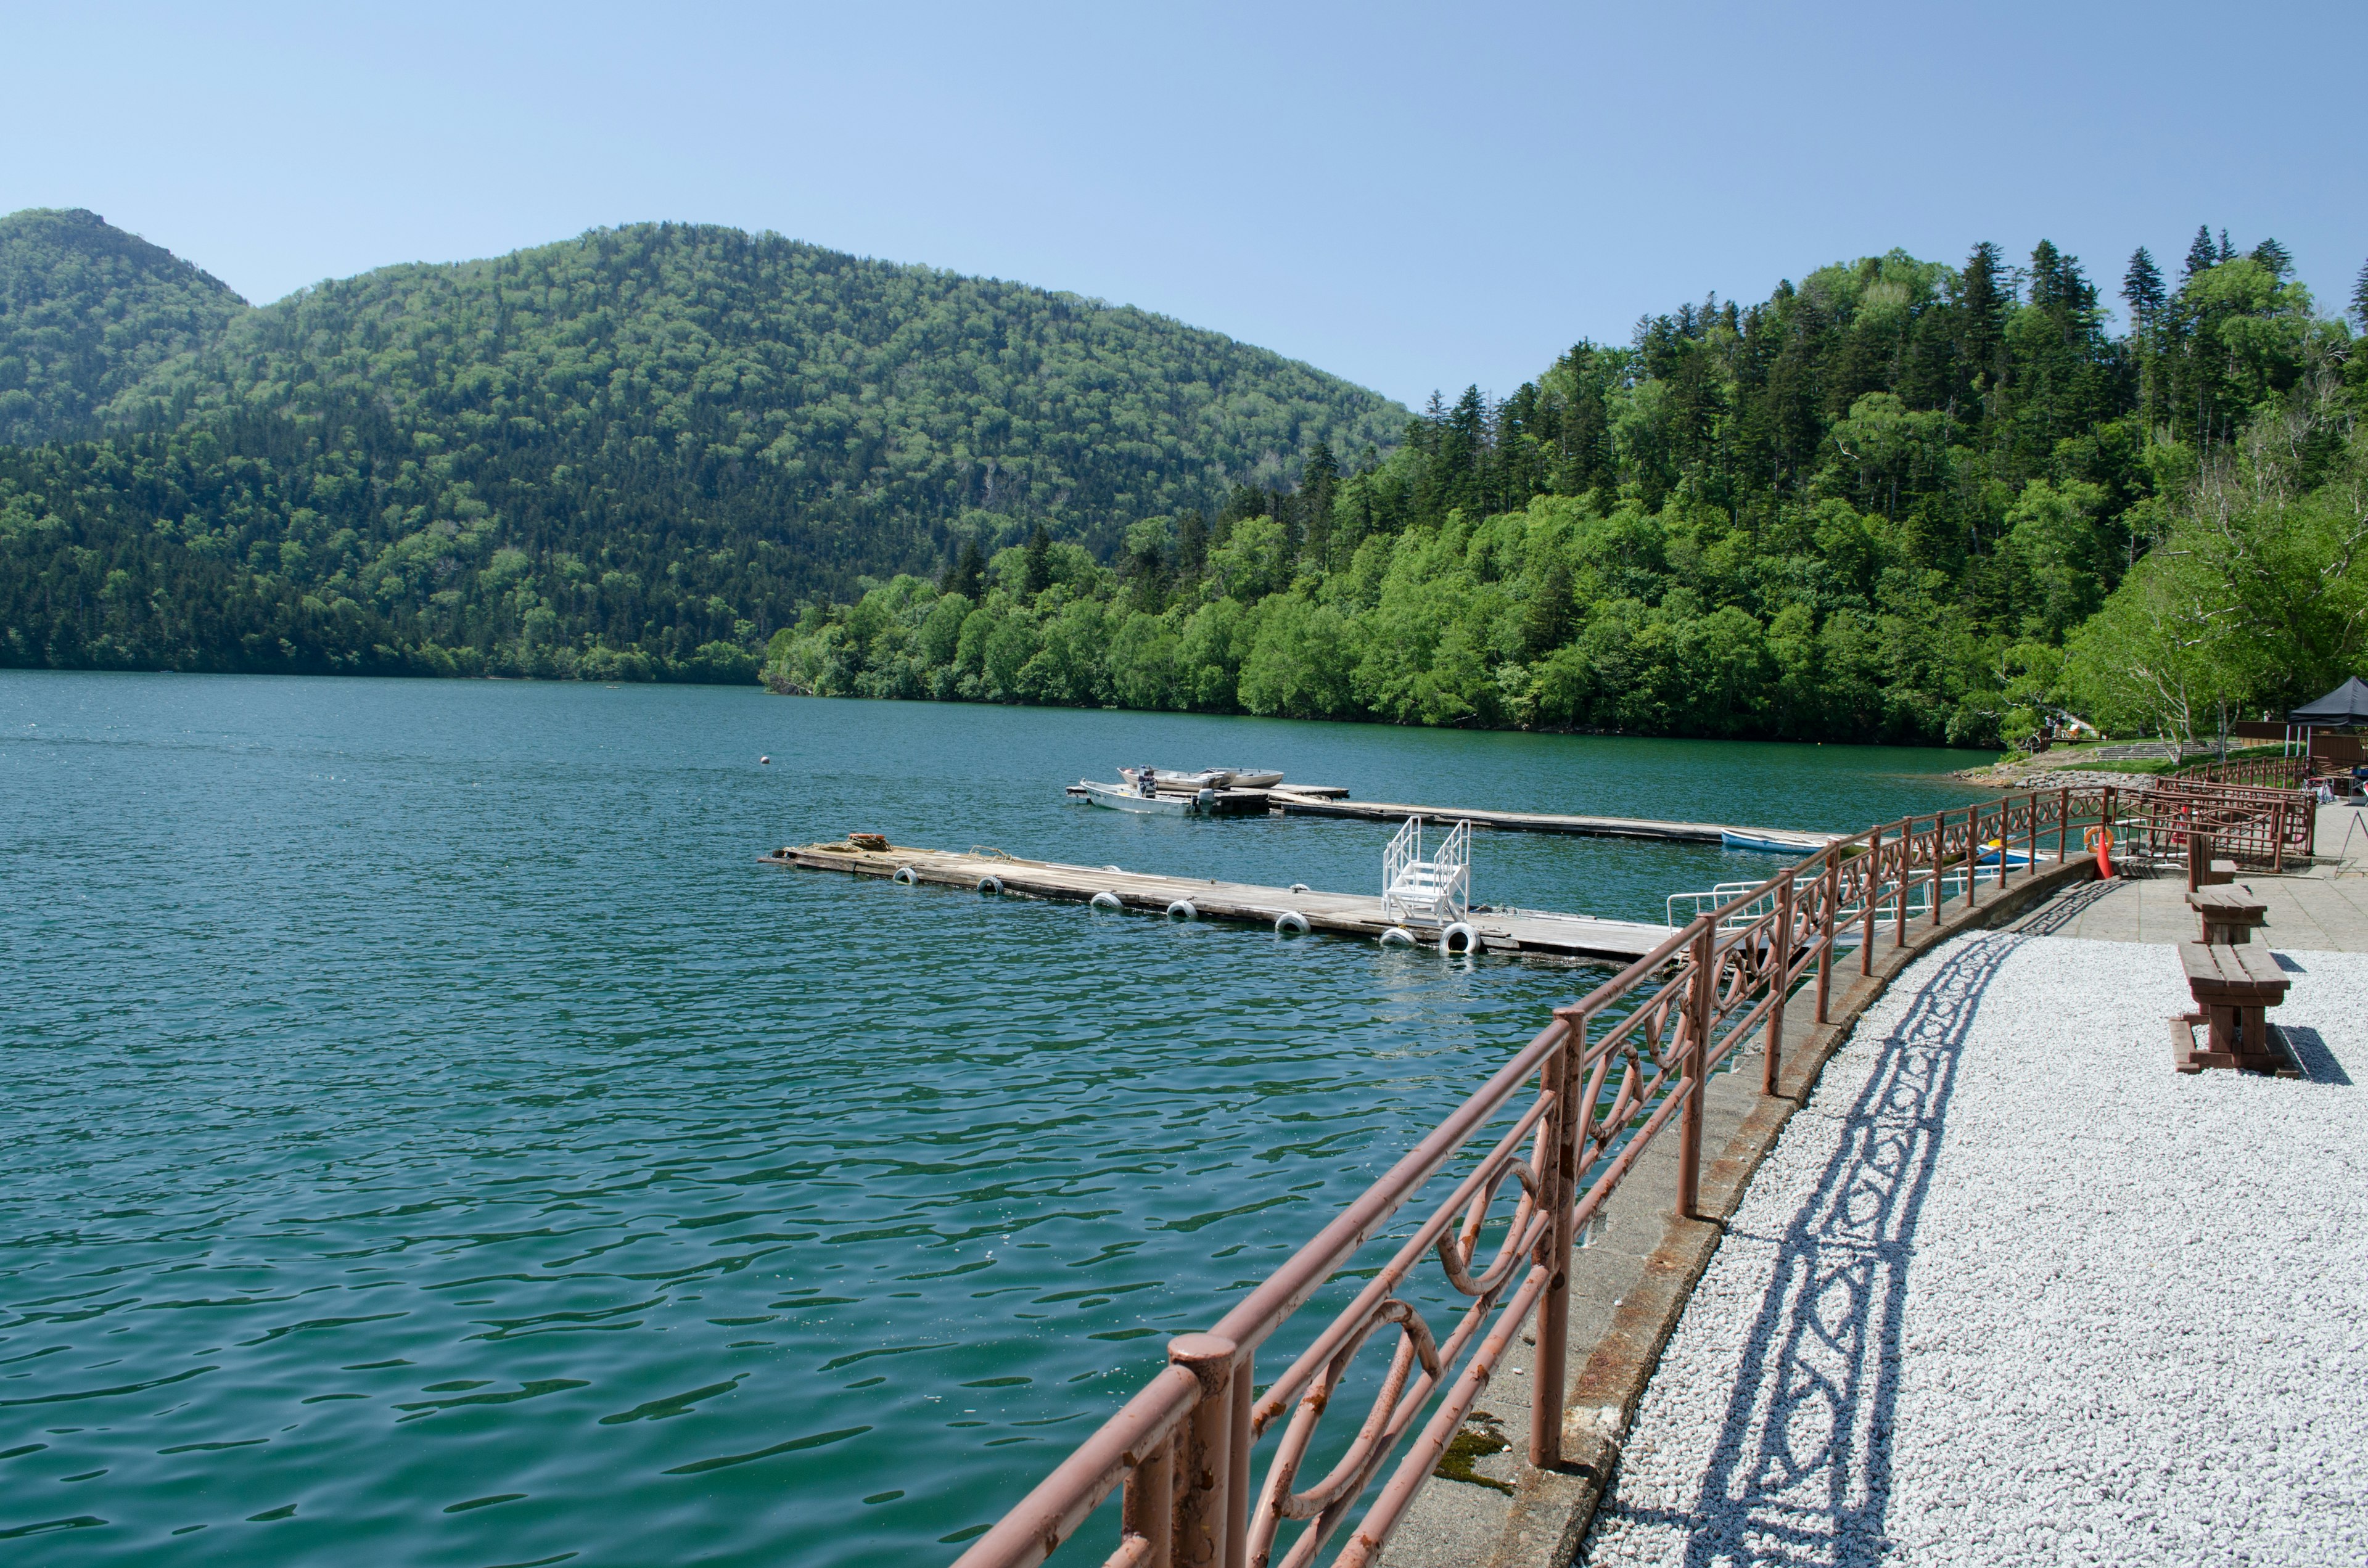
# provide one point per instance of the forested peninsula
(1898, 502)
(632, 455)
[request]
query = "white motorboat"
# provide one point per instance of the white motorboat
(1168, 779)
(1130, 798)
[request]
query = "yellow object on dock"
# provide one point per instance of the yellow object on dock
(1348, 914)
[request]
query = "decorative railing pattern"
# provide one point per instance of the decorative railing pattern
(2260, 826)
(2273, 772)
(1558, 1128)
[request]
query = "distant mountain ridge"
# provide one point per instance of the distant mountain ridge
(606, 454)
(86, 310)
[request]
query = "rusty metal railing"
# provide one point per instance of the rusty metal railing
(2271, 772)
(1557, 1129)
(2264, 826)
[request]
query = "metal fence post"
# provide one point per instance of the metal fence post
(1551, 1373)
(1237, 1484)
(1206, 1467)
(1906, 864)
(1832, 920)
(1147, 1508)
(1773, 1058)
(1940, 854)
(2062, 823)
(1697, 1060)
(1873, 898)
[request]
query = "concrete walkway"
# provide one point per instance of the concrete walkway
(2321, 908)
(2010, 1291)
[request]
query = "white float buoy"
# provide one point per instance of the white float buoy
(1291, 922)
(1109, 901)
(764, 761)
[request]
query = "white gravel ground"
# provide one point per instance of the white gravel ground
(2010, 1291)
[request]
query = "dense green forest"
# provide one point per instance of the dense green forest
(1899, 502)
(86, 310)
(631, 454)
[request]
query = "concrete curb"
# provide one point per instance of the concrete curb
(1552, 1511)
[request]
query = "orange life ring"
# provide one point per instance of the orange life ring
(2101, 839)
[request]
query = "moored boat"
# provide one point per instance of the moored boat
(1206, 777)
(1128, 798)
(1773, 843)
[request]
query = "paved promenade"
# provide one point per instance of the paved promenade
(2323, 908)
(2010, 1291)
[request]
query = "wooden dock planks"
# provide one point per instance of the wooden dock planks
(1284, 800)
(1347, 914)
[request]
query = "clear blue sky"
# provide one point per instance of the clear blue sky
(1410, 197)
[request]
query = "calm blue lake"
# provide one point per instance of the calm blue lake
(431, 1138)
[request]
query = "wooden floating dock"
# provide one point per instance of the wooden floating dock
(1282, 801)
(1348, 914)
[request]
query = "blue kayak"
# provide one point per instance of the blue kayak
(1772, 842)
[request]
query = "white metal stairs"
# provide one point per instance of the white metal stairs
(1435, 889)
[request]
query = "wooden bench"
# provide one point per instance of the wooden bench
(2233, 986)
(2203, 870)
(2230, 914)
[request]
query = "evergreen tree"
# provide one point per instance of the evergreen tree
(2201, 256)
(1982, 305)
(2142, 285)
(1319, 482)
(1192, 544)
(2227, 251)
(2360, 299)
(1036, 562)
(2274, 256)
(968, 574)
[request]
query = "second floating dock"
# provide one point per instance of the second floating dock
(1348, 915)
(1282, 801)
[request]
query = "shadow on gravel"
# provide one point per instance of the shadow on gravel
(1802, 1472)
(2064, 908)
(2317, 1063)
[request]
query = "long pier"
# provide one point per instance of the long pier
(1348, 914)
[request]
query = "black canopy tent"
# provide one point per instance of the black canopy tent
(2347, 704)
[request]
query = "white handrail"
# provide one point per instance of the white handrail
(1437, 889)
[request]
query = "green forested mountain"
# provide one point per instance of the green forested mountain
(632, 453)
(85, 310)
(1899, 502)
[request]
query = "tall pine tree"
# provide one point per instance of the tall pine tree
(2142, 285)
(1036, 562)
(2201, 256)
(1981, 304)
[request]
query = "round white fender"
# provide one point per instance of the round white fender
(1458, 937)
(1397, 936)
(1114, 868)
(1182, 910)
(1107, 901)
(1300, 887)
(906, 875)
(1291, 922)
(990, 884)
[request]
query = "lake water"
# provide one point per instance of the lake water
(431, 1138)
